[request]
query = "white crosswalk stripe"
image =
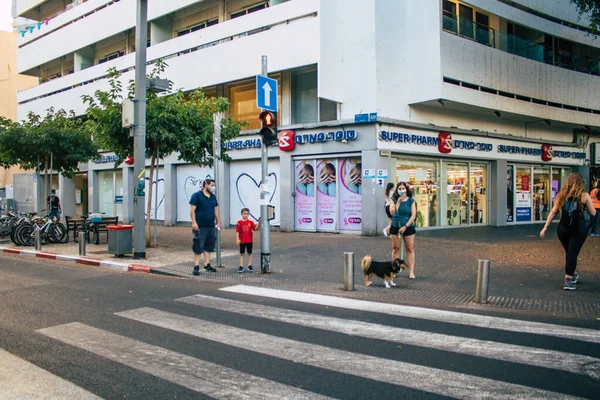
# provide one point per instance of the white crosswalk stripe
(20, 379)
(481, 348)
(221, 382)
(481, 321)
(413, 376)
(200, 376)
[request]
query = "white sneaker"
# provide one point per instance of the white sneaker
(386, 233)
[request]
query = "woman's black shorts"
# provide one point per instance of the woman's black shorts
(387, 211)
(408, 232)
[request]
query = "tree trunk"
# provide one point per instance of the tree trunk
(46, 179)
(150, 194)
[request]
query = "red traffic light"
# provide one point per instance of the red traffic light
(267, 118)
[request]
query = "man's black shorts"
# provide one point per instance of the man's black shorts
(205, 239)
(247, 247)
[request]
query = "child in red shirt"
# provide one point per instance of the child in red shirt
(243, 235)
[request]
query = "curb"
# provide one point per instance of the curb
(92, 262)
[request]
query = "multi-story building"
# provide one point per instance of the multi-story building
(483, 107)
(10, 83)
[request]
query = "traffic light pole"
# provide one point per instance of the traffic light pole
(139, 131)
(265, 245)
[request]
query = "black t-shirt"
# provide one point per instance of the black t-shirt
(205, 209)
(53, 200)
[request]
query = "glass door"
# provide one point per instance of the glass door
(457, 192)
(523, 194)
(478, 193)
(422, 177)
(305, 207)
(542, 193)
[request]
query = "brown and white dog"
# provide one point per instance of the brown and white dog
(386, 270)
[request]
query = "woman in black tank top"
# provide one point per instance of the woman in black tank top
(572, 201)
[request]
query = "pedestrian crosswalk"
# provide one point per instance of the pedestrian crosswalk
(327, 336)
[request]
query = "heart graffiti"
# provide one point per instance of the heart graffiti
(248, 190)
(192, 185)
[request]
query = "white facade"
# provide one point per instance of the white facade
(411, 62)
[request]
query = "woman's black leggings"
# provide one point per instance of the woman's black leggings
(572, 240)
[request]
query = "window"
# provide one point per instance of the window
(305, 103)
(422, 176)
(197, 27)
(243, 104)
(248, 10)
(468, 22)
(111, 56)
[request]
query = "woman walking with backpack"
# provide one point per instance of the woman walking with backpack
(595, 195)
(572, 201)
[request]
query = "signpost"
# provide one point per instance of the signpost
(266, 99)
(217, 119)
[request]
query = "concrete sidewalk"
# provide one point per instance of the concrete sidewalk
(526, 271)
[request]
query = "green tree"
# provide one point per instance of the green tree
(179, 123)
(592, 9)
(58, 139)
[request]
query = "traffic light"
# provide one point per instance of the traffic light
(268, 129)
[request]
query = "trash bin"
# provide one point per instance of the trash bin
(120, 239)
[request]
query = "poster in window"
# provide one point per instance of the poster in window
(523, 207)
(327, 195)
(350, 194)
(510, 191)
(305, 195)
(525, 183)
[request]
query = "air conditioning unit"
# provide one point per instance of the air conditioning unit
(70, 6)
(580, 139)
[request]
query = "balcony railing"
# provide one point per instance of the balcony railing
(521, 47)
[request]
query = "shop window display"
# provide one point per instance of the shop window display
(523, 194)
(478, 194)
(456, 194)
(542, 193)
(422, 176)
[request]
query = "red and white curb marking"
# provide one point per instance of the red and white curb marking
(78, 260)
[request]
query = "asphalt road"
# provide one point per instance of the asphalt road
(78, 332)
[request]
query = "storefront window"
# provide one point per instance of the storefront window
(305, 103)
(510, 193)
(110, 185)
(422, 176)
(478, 194)
(523, 194)
(541, 193)
(456, 193)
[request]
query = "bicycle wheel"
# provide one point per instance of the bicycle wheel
(15, 235)
(5, 226)
(26, 235)
(59, 233)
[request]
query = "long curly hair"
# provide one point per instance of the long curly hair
(574, 188)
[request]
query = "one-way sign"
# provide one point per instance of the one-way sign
(266, 93)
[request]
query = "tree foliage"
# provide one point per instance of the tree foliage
(179, 123)
(592, 9)
(58, 135)
(176, 123)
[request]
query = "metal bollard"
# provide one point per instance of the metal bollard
(348, 271)
(38, 239)
(483, 278)
(81, 237)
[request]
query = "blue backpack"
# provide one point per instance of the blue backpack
(573, 210)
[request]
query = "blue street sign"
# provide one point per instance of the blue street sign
(266, 93)
(361, 118)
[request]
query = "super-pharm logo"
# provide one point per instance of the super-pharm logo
(287, 140)
(547, 153)
(444, 142)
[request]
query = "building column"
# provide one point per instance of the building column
(222, 11)
(287, 193)
(170, 176)
(223, 192)
(84, 58)
(128, 194)
(161, 30)
(38, 193)
(66, 194)
(285, 116)
(498, 193)
(93, 200)
(373, 215)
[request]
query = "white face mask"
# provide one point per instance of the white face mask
(213, 189)
(401, 192)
